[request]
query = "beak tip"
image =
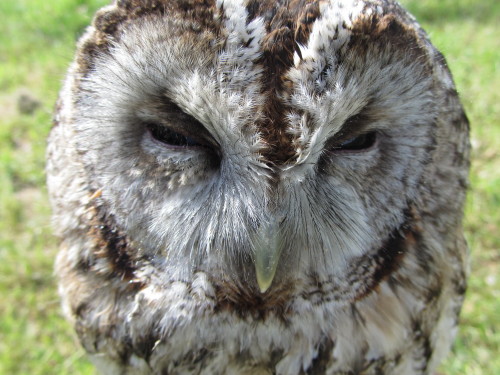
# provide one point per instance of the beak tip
(265, 274)
(265, 278)
(264, 286)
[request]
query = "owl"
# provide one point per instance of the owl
(260, 187)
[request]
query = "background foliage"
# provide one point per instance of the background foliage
(37, 41)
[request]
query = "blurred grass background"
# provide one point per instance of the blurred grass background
(37, 41)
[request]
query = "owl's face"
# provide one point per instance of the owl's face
(224, 140)
(247, 186)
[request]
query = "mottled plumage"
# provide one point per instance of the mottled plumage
(260, 187)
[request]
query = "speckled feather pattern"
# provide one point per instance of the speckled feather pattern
(159, 243)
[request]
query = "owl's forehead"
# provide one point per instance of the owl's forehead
(278, 35)
(277, 57)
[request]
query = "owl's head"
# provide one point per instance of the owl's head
(262, 143)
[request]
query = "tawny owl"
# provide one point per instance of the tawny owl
(260, 187)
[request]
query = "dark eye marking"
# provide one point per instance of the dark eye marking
(359, 143)
(354, 136)
(170, 137)
(171, 126)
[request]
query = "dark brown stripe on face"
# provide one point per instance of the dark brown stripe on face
(110, 243)
(372, 270)
(389, 257)
(288, 24)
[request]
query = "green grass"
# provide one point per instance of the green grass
(37, 41)
(36, 45)
(467, 32)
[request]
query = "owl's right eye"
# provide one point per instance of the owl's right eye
(170, 137)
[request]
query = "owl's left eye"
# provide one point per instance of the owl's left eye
(361, 142)
(170, 137)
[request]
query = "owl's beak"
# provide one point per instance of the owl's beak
(267, 246)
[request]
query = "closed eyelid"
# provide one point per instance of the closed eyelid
(169, 115)
(355, 126)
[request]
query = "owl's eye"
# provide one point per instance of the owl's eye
(359, 143)
(170, 137)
